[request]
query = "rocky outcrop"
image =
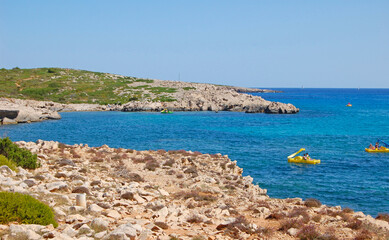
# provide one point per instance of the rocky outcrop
(19, 111)
(14, 111)
(166, 195)
(186, 97)
(208, 97)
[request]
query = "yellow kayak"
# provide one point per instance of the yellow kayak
(299, 159)
(379, 150)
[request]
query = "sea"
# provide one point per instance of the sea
(260, 143)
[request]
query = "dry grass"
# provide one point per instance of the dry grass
(308, 232)
(297, 212)
(363, 235)
(152, 165)
(316, 218)
(355, 224)
(311, 202)
(169, 162)
(289, 223)
(383, 216)
(276, 216)
(196, 195)
(347, 210)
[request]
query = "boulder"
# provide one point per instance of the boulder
(99, 224)
(54, 186)
(124, 231)
(7, 121)
(277, 107)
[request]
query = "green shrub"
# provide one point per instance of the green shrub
(24, 209)
(5, 161)
(20, 156)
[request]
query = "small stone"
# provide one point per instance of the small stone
(29, 182)
(84, 230)
(104, 205)
(145, 234)
(59, 212)
(81, 189)
(70, 231)
(75, 217)
(22, 232)
(94, 208)
(99, 224)
(139, 199)
(74, 209)
(127, 195)
(163, 192)
(292, 231)
(114, 214)
(100, 235)
(39, 177)
(125, 229)
(48, 235)
(95, 183)
(66, 162)
(162, 225)
(54, 186)
(6, 171)
(60, 175)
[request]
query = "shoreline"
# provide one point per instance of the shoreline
(158, 193)
(13, 111)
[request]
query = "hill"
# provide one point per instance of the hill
(80, 86)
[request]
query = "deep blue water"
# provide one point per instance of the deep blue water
(260, 143)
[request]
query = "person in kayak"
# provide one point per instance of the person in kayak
(377, 145)
(371, 146)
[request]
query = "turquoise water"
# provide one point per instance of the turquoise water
(260, 143)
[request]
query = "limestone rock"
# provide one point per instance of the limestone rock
(7, 121)
(99, 224)
(124, 230)
(54, 186)
(81, 189)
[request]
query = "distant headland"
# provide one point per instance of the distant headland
(29, 95)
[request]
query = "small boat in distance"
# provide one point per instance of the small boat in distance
(166, 111)
(349, 105)
(302, 159)
(377, 148)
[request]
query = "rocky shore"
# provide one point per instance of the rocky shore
(208, 97)
(13, 111)
(189, 97)
(167, 195)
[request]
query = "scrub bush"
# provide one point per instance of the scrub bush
(383, 216)
(308, 232)
(311, 202)
(20, 156)
(24, 209)
(5, 161)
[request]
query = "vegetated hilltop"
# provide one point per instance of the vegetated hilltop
(75, 86)
(167, 195)
(130, 93)
(80, 86)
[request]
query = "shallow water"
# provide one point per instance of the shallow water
(260, 143)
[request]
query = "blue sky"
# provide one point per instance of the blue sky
(253, 43)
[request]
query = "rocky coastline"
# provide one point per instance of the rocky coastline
(166, 195)
(189, 97)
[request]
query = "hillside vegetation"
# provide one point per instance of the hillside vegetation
(78, 86)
